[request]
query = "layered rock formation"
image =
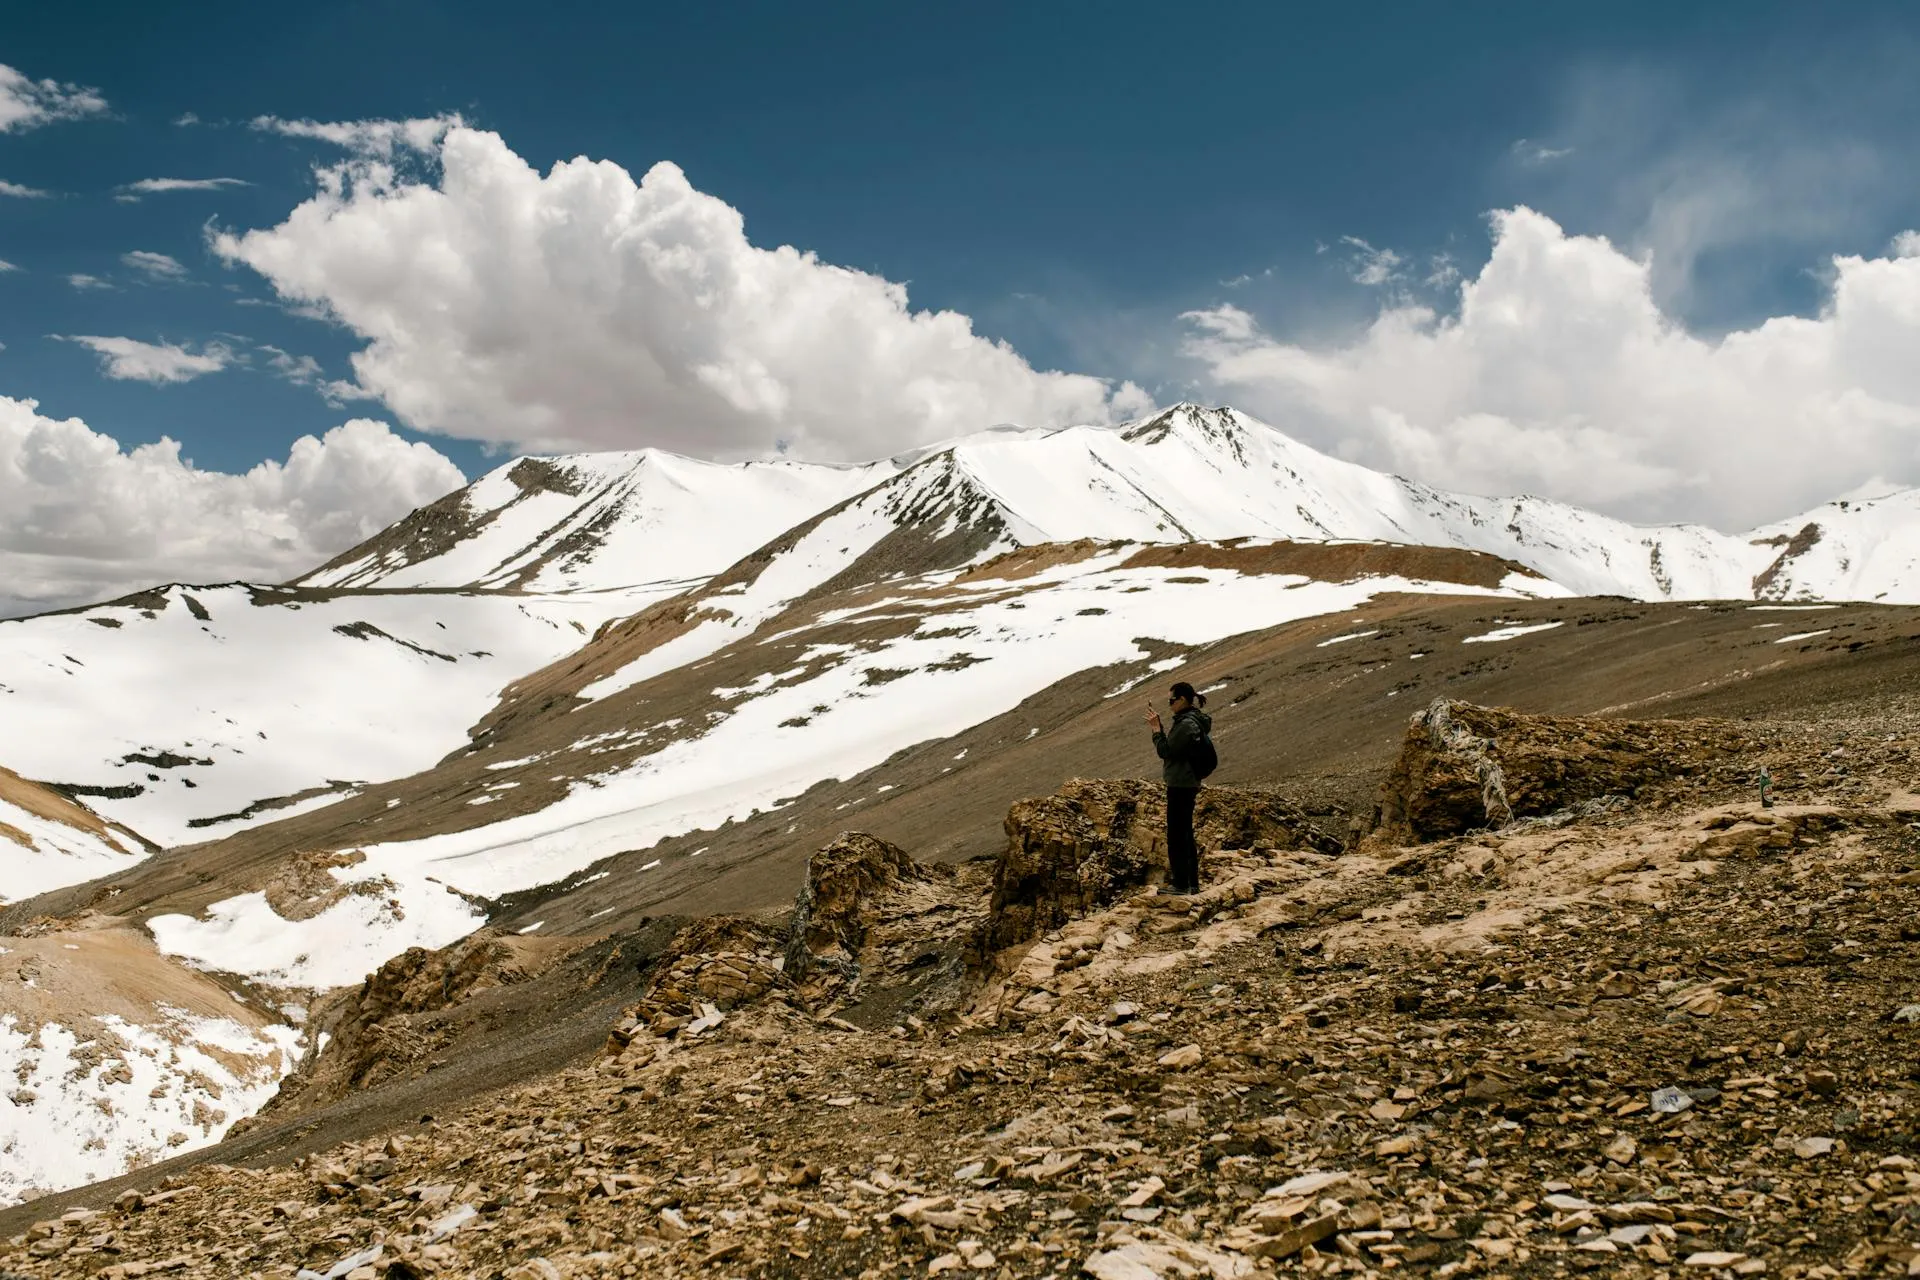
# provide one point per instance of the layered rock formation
(1464, 767)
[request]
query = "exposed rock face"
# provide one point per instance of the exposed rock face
(721, 962)
(384, 1028)
(1464, 767)
(1078, 849)
(305, 887)
(833, 910)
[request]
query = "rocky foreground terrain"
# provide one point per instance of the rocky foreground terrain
(1569, 1000)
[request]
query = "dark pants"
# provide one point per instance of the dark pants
(1183, 856)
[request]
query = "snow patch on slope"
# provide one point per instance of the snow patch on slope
(41, 851)
(179, 711)
(92, 1102)
(607, 521)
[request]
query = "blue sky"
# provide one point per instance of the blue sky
(1074, 178)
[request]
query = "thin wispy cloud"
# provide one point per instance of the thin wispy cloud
(1371, 266)
(133, 191)
(130, 360)
(1442, 271)
(81, 280)
(155, 266)
(1529, 152)
(305, 371)
(7, 266)
(19, 192)
(366, 137)
(26, 103)
(1785, 171)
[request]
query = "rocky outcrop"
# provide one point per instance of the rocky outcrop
(873, 936)
(710, 967)
(388, 1025)
(1464, 767)
(1080, 848)
(833, 910)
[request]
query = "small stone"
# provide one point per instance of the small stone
(1622, 1149)
(1290, 1242)
(1617, 986)
(1907, 1013)
(1714, 1258)
(1813, 1148)
(1187, 1055)
(1561, 1203)
(1824, 1083)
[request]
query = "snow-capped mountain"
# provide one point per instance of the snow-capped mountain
(599, 522)
(594, 522)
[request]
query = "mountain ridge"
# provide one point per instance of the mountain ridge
(1189, 473)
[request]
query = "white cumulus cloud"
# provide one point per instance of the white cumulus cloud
(130, 360)
(18, 192)
(81, 280)
(155, 265)
(582, 309)
(26, 103)
(82, 519)
(1560, 375)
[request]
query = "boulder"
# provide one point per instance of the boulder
(1464, 767)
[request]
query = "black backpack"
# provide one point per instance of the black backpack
(1205, 759)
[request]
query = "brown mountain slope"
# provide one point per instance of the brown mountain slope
(1610, 1042)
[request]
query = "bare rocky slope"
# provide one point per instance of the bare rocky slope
(1648, 1026)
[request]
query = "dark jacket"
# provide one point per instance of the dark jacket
(1177, 744)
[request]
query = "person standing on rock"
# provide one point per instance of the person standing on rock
(1186, 756)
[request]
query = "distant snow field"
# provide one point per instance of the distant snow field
(180, 716)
